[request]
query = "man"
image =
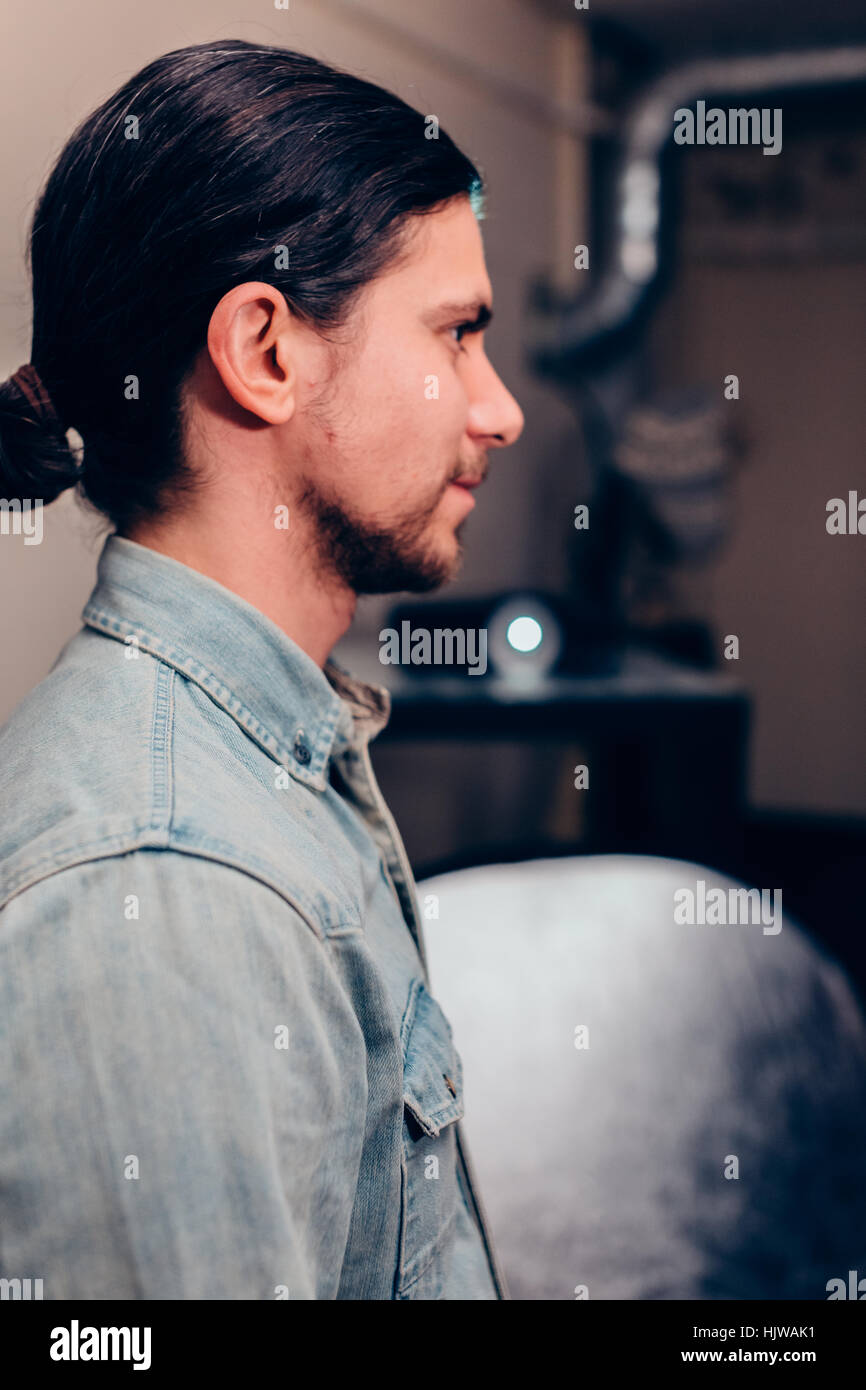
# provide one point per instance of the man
(224, 1073)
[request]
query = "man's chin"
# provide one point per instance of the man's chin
(413, 574)
(373, 561)
(409, 579)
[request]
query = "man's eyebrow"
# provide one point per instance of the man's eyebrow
(477, 312)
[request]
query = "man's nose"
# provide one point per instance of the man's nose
(493, 411)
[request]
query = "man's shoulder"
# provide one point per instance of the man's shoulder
(115, 752)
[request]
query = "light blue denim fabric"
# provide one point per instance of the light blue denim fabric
(223, 1074)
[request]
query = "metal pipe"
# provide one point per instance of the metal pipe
(563, 336)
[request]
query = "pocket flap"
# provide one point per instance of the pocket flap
(432, 1070)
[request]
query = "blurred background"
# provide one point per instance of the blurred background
(706, 514)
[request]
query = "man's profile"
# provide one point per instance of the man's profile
(259, 298)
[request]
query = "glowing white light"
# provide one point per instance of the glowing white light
(524, 634)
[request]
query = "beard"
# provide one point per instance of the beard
(374, 560)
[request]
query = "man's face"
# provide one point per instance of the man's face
(412, 408)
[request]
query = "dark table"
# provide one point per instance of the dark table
(666, 744)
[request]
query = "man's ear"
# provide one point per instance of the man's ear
(253, 340)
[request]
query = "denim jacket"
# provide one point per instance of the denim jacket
(223, 1073)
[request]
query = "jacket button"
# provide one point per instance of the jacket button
(450, 1084)
(301, 749)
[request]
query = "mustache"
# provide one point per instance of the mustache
(470, 473)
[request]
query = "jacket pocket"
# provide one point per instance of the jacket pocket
(432, 1105)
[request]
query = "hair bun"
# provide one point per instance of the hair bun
(36, 460)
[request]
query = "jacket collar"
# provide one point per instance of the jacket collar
(298, 713)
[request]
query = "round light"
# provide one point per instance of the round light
(524, 634)
(524, 639)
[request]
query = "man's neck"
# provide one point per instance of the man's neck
(312, 609)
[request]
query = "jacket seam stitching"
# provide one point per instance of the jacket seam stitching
(162, 771)
(90, 854)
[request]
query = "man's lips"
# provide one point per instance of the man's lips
(467, 482)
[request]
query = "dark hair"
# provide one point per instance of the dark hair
(241, 148)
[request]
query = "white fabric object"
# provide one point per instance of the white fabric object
(605, 1166)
